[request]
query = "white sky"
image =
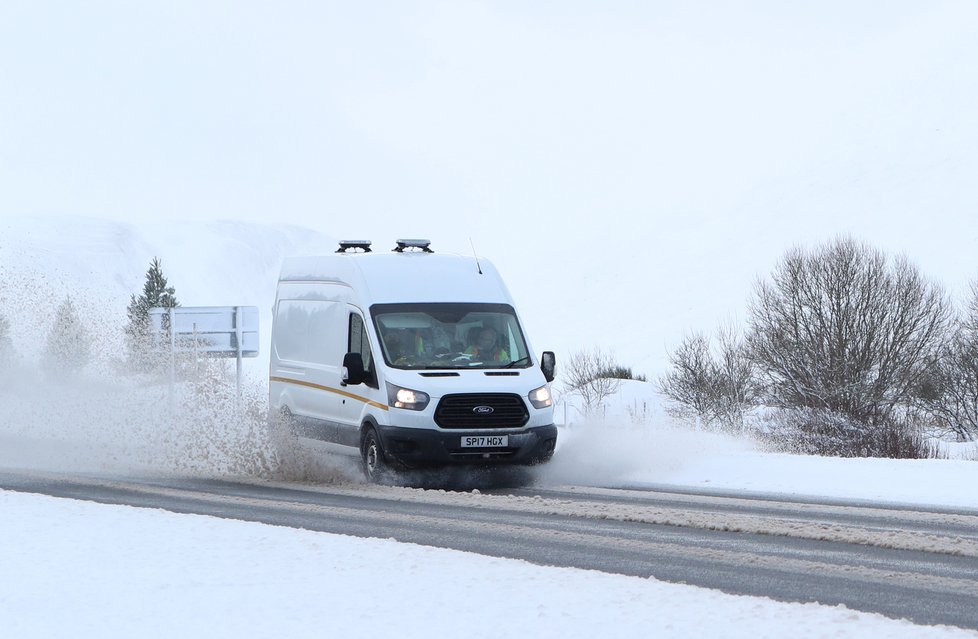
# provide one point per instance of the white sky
(651, 159)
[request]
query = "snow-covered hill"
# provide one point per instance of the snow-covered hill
(101, 263)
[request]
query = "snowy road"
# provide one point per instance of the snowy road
(920, 564)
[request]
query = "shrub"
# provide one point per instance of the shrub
(812, 431)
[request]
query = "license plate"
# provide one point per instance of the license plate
(485, 441)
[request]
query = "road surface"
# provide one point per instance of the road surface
(914, 563)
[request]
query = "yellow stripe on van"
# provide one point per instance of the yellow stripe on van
(286, 380)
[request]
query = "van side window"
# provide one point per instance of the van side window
(305, 328)
(360, 344)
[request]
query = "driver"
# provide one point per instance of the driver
(486, 347)
(397, 349)
(403, 346)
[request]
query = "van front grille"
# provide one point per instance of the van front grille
(483, 410)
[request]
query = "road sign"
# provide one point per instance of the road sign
(217, 331)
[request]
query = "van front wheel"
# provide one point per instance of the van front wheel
(375, 467)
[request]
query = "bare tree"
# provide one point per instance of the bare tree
(950, 393)
(716, 387)
(845, 329)
(690, 383)
(586, 375)
(736, 379)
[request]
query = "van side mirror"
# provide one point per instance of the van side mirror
(548, 364)
(353, 369)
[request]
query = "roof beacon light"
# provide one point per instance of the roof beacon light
(413, 244)
(354, 245)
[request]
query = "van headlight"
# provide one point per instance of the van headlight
(540, 397)
(406, 398)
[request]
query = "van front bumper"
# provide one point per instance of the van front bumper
(425, 448)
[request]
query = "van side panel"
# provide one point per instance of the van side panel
(309, 341)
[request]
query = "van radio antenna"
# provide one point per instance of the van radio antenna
(477, 265)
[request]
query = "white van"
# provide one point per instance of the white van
(409, 359)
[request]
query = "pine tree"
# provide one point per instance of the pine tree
(156, 294)
(68, 347)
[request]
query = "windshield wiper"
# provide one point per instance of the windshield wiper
(517, 361)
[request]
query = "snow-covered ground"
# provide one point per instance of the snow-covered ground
(78, 569)
(118, 571)
(82, 569)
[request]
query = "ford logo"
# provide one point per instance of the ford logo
(483, 410)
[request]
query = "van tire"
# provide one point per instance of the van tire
(375, 467)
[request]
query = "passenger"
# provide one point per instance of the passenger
(487, 348)
(421, 346)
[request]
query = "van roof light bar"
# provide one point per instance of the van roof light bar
(413, 244)
(354, 245)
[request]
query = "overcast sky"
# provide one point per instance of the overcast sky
(633, 165)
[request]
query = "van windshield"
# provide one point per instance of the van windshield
(452, 336)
